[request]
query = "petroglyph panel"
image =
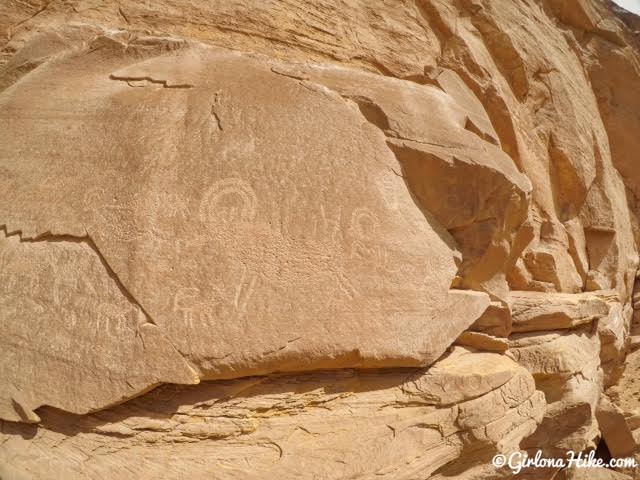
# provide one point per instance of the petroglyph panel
(336, 191)
(92, 352)
(258, 221)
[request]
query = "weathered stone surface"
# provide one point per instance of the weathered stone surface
(93, 332)
(496, 320)
(380, 234)
(615, 341)
(537, 311)
(220, 261)
(483, 341)
(613, 329)
(566, 366)
(614, 428)
(624, 394)
(261, 427)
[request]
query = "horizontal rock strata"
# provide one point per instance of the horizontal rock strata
(417, 421)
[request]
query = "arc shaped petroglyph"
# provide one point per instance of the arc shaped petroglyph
(364, 223)
(227, 201)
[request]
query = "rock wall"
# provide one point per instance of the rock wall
(322, 239)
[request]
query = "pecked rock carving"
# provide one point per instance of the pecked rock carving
(101, 332)
(251, 240)
(227, 297)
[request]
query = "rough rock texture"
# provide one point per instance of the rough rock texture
(228, 230)
(416, 422)
(386, 239)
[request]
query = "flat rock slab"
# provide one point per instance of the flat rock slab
(254, 219)
(71, 337)
(540, 311)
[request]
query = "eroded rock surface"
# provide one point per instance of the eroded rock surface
(228, 230)
(418, 422)
(385, 239)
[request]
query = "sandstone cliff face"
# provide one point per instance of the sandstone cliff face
(317, 240)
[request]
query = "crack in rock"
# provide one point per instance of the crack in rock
(88, 240)
(164, 83)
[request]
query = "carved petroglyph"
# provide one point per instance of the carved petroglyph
(228, 201)
(329, 227)
(353, 232)
(364, 223)
(186, 304)
(172, 205)
(196, 308)
(113, 321)
(364, 245)
(97, 331)
(345, 285)
(50, 289)
(301, 219)
(245, 290)
(386, 185)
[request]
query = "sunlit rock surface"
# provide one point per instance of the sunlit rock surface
(316, 239)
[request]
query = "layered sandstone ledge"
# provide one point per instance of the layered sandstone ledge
(316, 239)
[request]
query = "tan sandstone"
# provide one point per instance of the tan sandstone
(315, 240)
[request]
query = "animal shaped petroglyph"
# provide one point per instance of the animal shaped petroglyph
(192, 306)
